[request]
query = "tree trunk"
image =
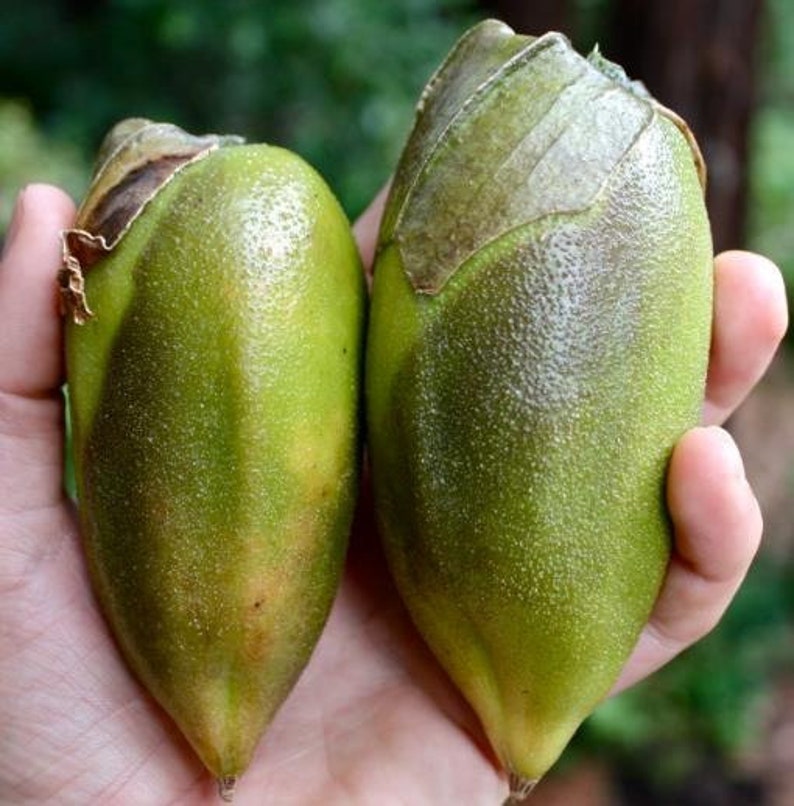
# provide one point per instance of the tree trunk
(697, 57)
(534, 17)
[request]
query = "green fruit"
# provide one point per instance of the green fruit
(538, 343)
(214, 390)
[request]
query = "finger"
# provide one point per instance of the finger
(366, 229)
(30, 327)
(31, 417)
(717, 525)
(750, 319)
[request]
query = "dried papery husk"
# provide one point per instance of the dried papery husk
(136, 161)
(494, 127)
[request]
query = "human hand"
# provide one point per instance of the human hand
(372, 719)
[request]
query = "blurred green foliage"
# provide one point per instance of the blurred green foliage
(335, 80)
(772, 167)
(28, 155)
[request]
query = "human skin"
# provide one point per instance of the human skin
(373, 720)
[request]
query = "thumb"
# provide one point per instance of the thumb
(30, 327)
(31, 361)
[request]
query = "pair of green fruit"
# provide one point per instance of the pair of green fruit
(537, 343)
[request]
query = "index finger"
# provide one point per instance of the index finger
(366, 229)
(750, 319)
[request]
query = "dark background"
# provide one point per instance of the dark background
(337, 80)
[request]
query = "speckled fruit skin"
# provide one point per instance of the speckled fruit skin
(214, 402)
(527, 381)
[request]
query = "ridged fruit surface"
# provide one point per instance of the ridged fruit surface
(214, 401)
(538, 342)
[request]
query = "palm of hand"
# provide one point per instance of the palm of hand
(363, 721)
(372, 718)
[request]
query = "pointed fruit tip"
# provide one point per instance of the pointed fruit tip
(520, 789)
(226, 786)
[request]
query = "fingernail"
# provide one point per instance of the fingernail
(16, 222)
